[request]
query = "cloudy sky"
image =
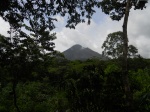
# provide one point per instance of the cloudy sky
(93, 35)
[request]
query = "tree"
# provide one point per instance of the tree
(132, 51)
(17, 12)
(118, 9)
(21, 54)
(113, 46)
(84, 89)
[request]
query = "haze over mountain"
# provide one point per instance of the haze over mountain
(77, 52)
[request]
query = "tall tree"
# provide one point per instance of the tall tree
(118, 9)
(113, 46)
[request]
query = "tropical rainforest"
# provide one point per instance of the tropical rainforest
(36, 78)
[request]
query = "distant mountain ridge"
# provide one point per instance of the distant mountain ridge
(77, 52)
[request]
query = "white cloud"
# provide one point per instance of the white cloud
(4, 27)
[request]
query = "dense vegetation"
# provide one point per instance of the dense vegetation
(35, 78)
(50, 83)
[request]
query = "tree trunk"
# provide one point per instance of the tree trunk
(124, 64)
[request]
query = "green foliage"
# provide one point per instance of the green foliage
(34, 97)
(141, 87)
(116, 8)
(6, 101)
(112, 68)
(23, 57)
(95, 90)
(110, 92)
(113, 93)
(113, 46)
(138, 62)
(88, 86)
(84, 91)
(44, 12)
